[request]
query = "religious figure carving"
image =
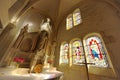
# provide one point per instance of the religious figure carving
(46, 25)
(42, 40)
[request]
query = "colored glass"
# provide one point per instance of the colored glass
(69, 23)
(77, 53)
(76, 18)
(95, 54)
(64, 53)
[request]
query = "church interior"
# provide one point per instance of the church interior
(59, 39)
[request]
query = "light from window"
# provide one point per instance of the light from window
(77, 53)
(69, 23)
(76, 17)
(64, 53)
(95, 53)
(73, 19)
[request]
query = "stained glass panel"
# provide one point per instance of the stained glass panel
(69, 23)
(77, 53)
(64, 53)
(95, 52)
(76, 18)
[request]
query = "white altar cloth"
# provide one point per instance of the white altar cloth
(30, 76)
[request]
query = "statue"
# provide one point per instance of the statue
(42, 40)
(40, 56)
(46, 25)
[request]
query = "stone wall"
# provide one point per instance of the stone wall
(6, 39)
(100, 17)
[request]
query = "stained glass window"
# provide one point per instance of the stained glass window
(76, 17)
(73, 19)
(64, 53)
(69, 22)
(95, 52)
(77, 53)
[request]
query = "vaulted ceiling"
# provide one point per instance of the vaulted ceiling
(35, 10)
(55, 9)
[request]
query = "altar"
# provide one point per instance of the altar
(8, 74)
(57, 75)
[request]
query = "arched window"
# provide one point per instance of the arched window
(93, 57)
(69, 21)
(77, 53)
(77, 17)
(64, 53)
(73, 19)
(95, 52)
